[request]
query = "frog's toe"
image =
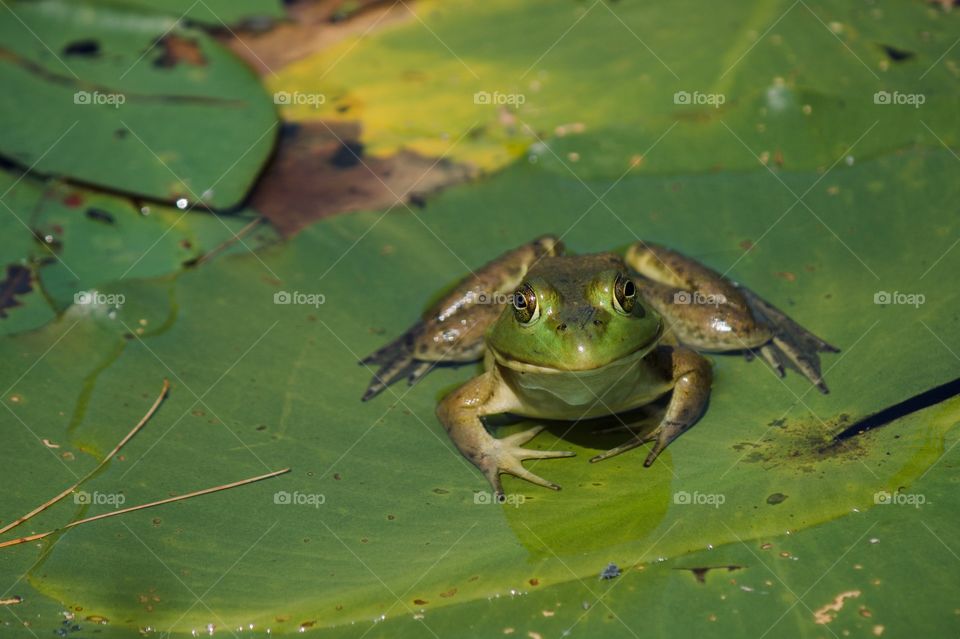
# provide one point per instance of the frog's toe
(630, 445)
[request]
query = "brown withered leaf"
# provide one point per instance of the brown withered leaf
(175, 49)
(313, 26)
(320, 169)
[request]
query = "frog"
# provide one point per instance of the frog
(575, 337)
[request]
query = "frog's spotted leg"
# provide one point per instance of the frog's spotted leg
(710, 313)
(453, 329)
(460, 414)
(691, 377)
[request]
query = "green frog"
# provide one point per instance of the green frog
(572, 337)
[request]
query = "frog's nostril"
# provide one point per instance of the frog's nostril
(562, 328)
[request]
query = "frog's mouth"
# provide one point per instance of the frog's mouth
(516, 364)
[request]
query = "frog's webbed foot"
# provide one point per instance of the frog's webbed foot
(691, 376)
(459, 414)
(791, 345)
(505, 456)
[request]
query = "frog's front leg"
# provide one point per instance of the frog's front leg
(460, 413)
(708, 312)
(452, 330)
(691, 377)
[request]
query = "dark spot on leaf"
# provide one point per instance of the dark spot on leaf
(441, 491)
(175, 49)
(73, 200)
(349, 154)
(391, 517)
(17, 283)
(776, 498)
(700, 573)
(336, 476)
(897, 55)
(534, 582)
(420, 602)
(449, 593)
(87, 47)
(612, 570)
(100, 215)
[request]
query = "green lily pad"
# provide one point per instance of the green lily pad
(643, 87)
(213, 13)
(381, 517)
(73, 240)
(133, 103)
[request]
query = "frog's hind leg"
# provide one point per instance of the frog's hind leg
(710, 313)
(691, 376)
(452, 330)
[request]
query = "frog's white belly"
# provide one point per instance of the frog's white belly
(622, 385)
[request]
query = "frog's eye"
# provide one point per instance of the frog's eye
(525, 304)
(624, 294)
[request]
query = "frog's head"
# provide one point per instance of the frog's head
(575, 313)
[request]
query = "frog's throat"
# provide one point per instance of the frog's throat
(518, 365)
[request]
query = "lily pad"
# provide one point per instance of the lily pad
(138, 104)
(381, 516)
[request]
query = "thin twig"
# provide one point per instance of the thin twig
(205, 491)
(39, 509)
(228, 243)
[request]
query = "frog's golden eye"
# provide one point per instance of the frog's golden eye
(624, 294)
(525, 304)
